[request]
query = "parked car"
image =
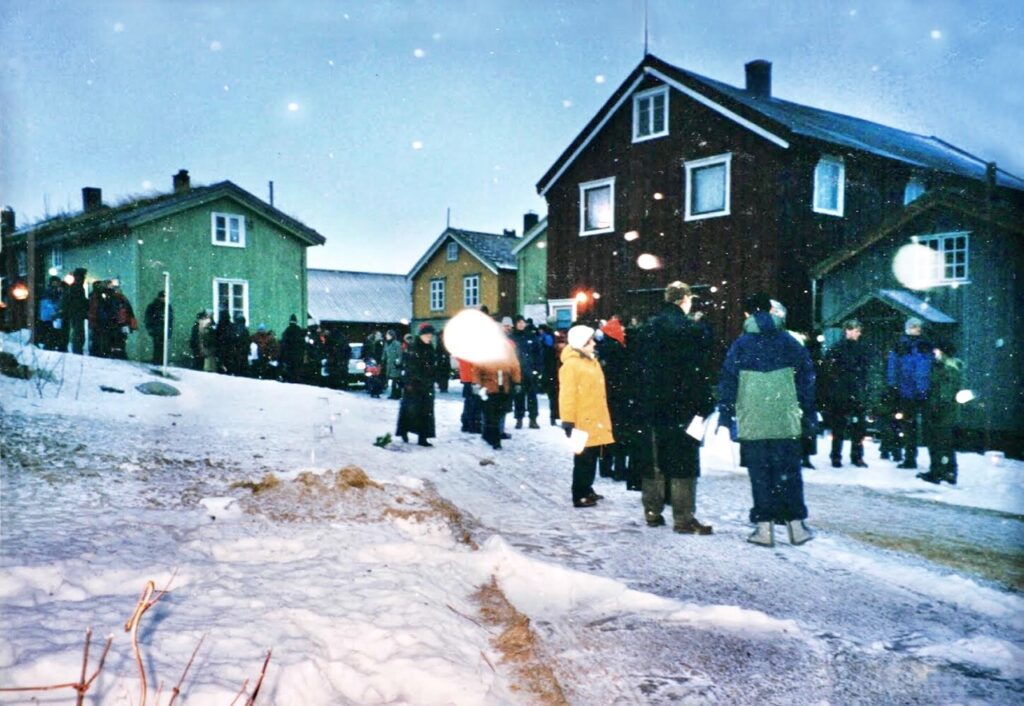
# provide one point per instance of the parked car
(356, 365)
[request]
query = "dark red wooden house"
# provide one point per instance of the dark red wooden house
(729, 189)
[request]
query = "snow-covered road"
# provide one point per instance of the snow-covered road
(907, 595)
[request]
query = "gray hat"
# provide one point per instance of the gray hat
(912, 322)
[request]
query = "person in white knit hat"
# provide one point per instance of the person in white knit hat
(583, 406)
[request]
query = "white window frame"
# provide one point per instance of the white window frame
(946, 246)
(452, 252)
(231, 310)
(57, 257)
(471, 285)
(437, 295)
(914, 189)
(840, 186)
(591, 185)
(227, 229)
(691, 166)
(555, 304)
(649, 95)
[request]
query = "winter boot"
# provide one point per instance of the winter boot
(533, 423)
(930, 477)
(798, 532)
(763, 535)
(837, 463)
(859, 463)
(519, 423)
(949, 476)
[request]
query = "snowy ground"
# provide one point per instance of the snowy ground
(369, 592)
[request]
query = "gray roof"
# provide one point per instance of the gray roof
(361, 297)
(793, 120)
(492, 249)
(902, 301)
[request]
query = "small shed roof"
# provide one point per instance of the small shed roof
(903, 301)
(359, 297)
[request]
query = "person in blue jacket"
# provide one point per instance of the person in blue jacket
(766, 398)
(908, 373)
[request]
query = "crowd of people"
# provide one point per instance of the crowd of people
(635, 401)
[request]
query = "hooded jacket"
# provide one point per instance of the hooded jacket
(581, 397)
(767, 382)
(909, 367)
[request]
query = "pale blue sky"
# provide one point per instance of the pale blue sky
(405, 109)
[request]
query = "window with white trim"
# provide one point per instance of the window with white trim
(453, 252)
(650, 114)
(471, 290)
(829, 185)
(597, 206)
(230, 294)
(57, 257)
(227, 229)
(914, 189)
(563, 311)
(437, 295)
(951, 265)
(708, 183)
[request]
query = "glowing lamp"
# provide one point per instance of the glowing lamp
(581, 297)
(965, 396)
(19, 292)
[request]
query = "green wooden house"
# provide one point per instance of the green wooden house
(532, 273)
(223, 248)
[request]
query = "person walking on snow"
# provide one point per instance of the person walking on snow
(766, 399)
(154, 322)
(846, 375)
(908, 374)
(416, 410)
(531, 365)
(77, 311)
(392, 362)
(675, 388)
(584, 407)
(940, 418)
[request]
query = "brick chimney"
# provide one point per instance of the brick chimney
(181, 181)
(92, 198)
(7, 224)
(759, 78)
(509, 232)
(529, 221)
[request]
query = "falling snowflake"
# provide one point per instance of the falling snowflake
(147, 184)
(419, 53)
(437, 36)
(936, 34)
(567, 104)
(599, 78)
(119, 26)
(293, 107)
(417, 145)
(216, 45)
(226, 87)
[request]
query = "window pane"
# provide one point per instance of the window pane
(708, 189)
(599, 208)
(234, 229)
(659, 113)
(220, 228)
(643, 120)
(826, 195)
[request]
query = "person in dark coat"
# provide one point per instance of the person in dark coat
(611, 353)
(76, 309)
(766, 399)
(224, 342)
(241, 344)
(940, 417)
(51, 311)
(531, 366)
(97, 294)
(154, 322)
(846, 387)
(676, 388)
(908, 374)
(549, 376)
(391, 362)
(416, 410)
(293, 345)
(117, 321)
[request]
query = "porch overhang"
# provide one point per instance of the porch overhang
(904, 302)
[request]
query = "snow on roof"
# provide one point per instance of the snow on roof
(363, 297)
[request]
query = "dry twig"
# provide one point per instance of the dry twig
(259, 682)
(147, 600)
(82, 685)
(177, 687)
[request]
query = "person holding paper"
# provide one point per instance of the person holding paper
(765, 396)
(675, 389)
(584, 411)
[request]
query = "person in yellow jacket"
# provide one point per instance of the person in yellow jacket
(584, 407)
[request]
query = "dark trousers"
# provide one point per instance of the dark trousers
(942, 451)
(776, 482)
(584, 470)
(525, 401)
(848, 424)
(472, 411)
(614, 461)
(494, 413)
(158, 350)
(552, 393)
(396, 389)
(76, 334)
(909, 427)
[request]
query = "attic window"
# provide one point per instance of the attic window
(597, 206)
(453, 252)
(227, 229)
(57, 257)
(829, 185)
(951, 265)
(708, 183)
(650, 114)
(914, 189)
